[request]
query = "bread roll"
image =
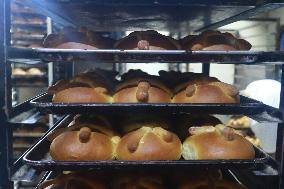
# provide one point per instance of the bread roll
(73, 181)
(147, 40)
(219, 142)
(131, 123)
(74, 45)
(84, 87)
(149, 143)
(174, 78)
(95, 122)
(205, 90)
(214, 40)
(184, 122)
(69, 38)
(210, 184)
(83, 145)
(81, 95)
(34, 71)
(84, 141)
(18, 71)
(141, 87)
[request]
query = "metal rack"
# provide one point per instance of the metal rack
(182, 16)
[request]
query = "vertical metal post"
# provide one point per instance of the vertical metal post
(69, 69)
(280, 138)
(206, 68)
(4, 129)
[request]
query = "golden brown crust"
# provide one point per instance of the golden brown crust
(149, 144)
(195, 79)
(72, 181)
(205, 90)
(80, 94)
(82, 145)
(219, 47)
(93, 86)
(147, 40)
(155, 95)
(138, 86)
(97, 123)
(74, 45)
(152, 81)
(222, 143)
(214, 40)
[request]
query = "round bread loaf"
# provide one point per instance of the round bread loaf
(81, 94)
(147, 40)
(217, 142)
(219, 47)
(69, 38)
(72, 181)
(138, 182)
(74, 45)
(96, 122)
(34, 71)
(18, 71)
(214, 40)
(84, 87)
(83, 145)
(206, 90)
(137, 86)
(149, 143)
(143, 92)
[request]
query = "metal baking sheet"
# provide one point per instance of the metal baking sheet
(247, 106)
(149, 56)
(38, 157)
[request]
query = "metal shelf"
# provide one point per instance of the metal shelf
(25, 37)
(39, 158)
(29, 25)
(28, 135)
(30, 81)
(168, 15)
(147, 56)
(249, 107)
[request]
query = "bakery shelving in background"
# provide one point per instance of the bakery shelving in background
(28, 29)
(35, 24)
(29, 36)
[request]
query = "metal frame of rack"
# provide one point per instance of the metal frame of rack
(8, 168)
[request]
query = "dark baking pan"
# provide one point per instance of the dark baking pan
(162, 56)
(39, 157)
(246, 107)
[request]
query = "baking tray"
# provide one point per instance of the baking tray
(38, 157)
(149, 56)
(247, 106)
